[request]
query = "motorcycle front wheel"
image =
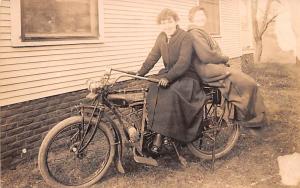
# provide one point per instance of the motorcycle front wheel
(62, 160)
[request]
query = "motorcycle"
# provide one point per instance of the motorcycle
(78, 151)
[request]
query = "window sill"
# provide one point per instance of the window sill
(54, 43)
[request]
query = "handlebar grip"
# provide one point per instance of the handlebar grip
(131, 72)
(153, 80)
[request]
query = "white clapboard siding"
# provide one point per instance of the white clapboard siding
(58, 73)
(79, 55)
(46, 70)
(5, 23)
(230, 28)
(4, 3)
(4, 30)
(130, 30)
(84, 76)
(119, 46)
(4, 36)
(6, 50)
(5, 17)
(5, 10)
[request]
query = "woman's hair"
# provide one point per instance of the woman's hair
(193, 11)
(166, 14)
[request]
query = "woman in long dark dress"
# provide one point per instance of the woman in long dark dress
(175, 104)
(236, 86)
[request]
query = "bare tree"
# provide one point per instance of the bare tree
(260, 29)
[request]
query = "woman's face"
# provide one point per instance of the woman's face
(200, 18)
(168, 26)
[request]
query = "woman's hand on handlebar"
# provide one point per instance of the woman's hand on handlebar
(163, 82)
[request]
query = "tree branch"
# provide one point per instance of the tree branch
(267, 25)
(265, 18)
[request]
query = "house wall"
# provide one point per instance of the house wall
(230, 28)
(39, 85)
(28, 73)
(247, 39)
(35, 72)
(24, 125)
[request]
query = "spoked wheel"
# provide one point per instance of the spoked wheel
(215, 128)
(69, 159)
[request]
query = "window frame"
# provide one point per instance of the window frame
(16, 29)
(216, 34)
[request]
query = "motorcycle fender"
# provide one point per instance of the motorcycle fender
(118, 137)
(119, 147)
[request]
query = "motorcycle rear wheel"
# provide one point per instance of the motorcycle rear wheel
(226, 138)
(60, 162)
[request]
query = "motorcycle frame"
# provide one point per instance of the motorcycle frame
(98, 107)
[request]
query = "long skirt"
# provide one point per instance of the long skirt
(239, 89)
(243, 91)
(176, 111)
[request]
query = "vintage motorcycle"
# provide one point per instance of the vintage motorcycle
(78, 151)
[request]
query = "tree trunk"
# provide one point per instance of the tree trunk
(258, 50)
(258, 31)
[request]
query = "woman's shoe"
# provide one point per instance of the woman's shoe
(157, 141)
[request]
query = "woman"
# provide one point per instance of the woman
(175, 105)
(237, 87)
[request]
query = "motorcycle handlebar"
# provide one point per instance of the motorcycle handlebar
(126, 72)
(134, 75)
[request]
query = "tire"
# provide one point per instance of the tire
(58, 162)
(203, 145)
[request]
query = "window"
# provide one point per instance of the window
(46, 22)
(213, 16)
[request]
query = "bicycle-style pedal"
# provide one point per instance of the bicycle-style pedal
(144, 160)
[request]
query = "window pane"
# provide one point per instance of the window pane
(213, 17)
(55, 19)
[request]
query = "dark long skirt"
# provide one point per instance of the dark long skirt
(243, 91)
(176, 111)
(239, 89)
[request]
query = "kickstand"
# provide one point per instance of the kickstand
(213, 151)
(182, 160)
(213, 155)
